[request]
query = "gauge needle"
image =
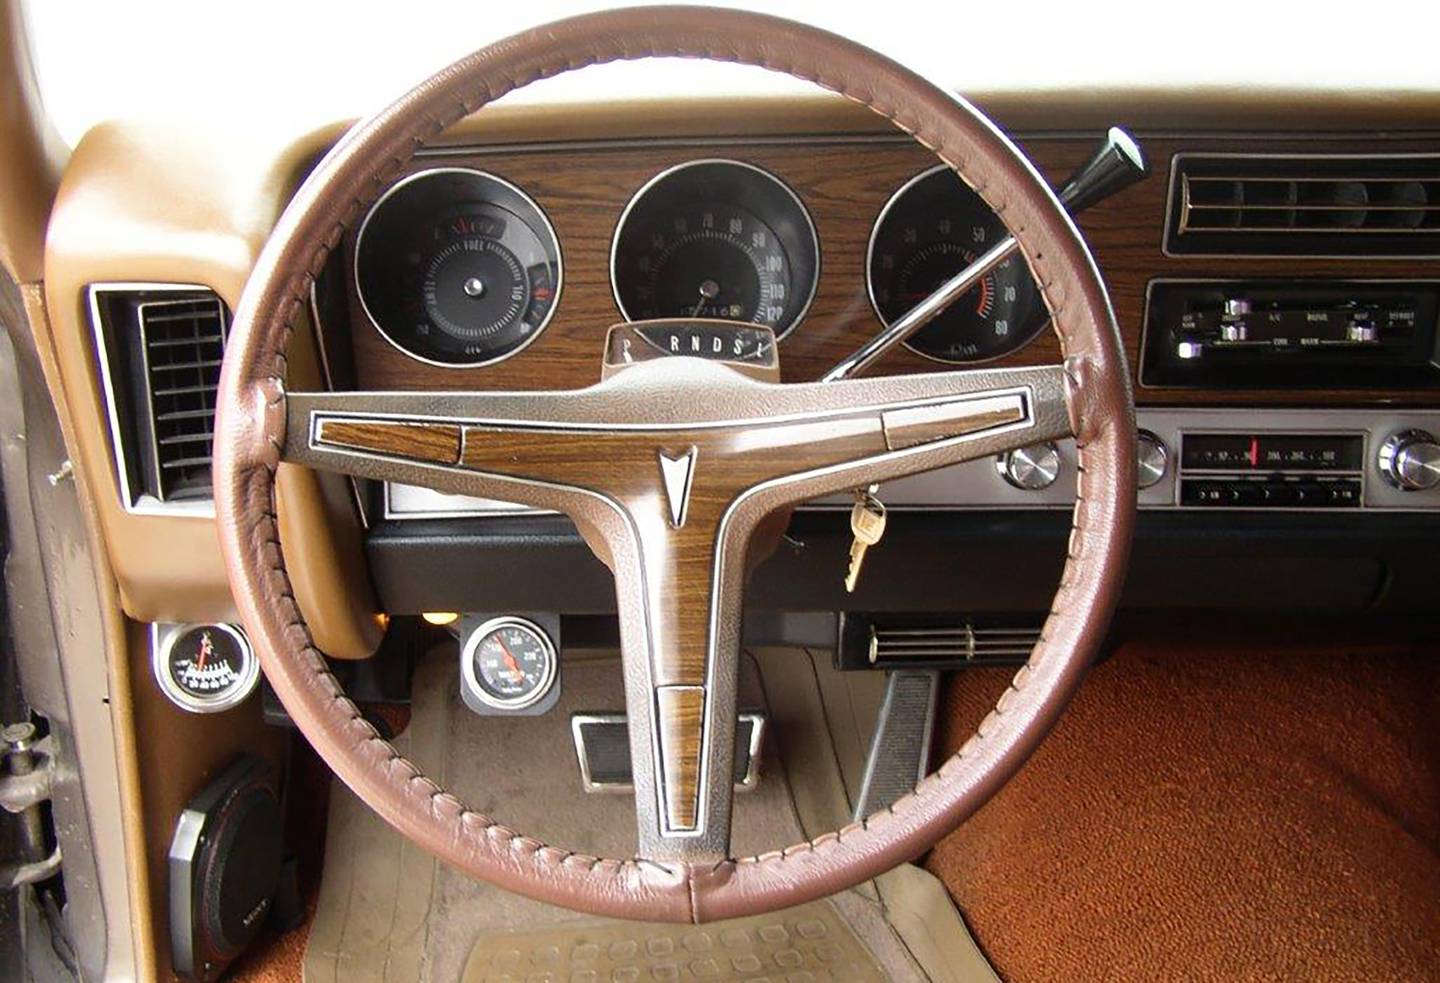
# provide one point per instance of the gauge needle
(510, 661)
(709, 290)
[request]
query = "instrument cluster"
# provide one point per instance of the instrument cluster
(458, 267)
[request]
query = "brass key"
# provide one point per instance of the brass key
(867, 525)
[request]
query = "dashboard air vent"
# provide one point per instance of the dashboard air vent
(1305, 205)
(160, 349)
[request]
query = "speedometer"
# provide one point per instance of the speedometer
(715, 239)
(931, 229)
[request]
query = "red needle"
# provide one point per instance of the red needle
(509, 658)
(1254, 452)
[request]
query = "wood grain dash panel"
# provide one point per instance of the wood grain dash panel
(436, 443)
(681, 723)
(844, 183)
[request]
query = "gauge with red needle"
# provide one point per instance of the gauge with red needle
(509, 663)
(932, 228)
(204, 668)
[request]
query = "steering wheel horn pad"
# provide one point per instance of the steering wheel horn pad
(599, 455)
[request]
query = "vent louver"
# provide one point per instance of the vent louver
(964, 641)
(160, 349)
(1342, 206)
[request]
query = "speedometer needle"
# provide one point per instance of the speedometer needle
(709, 290)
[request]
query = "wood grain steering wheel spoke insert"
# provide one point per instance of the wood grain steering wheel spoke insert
(669, 470)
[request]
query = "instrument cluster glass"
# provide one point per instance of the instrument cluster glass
(716, 239)
(457, 267)
(933, 228)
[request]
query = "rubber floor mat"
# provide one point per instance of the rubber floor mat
(389, 912)
(810, 942)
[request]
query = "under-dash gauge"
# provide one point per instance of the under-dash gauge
(204, 668)
(931, 229)
(457, 267)
(507, 663)
(715, 239)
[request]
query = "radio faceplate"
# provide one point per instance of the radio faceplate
(1291, 334)
(1315, 460)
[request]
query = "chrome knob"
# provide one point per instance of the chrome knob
(1152, 459)
(1410, 460)
(1031, 468)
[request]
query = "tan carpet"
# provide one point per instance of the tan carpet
(1203, 812)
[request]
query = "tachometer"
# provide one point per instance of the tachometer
(457, 267)
(715, 239)
(931, 229)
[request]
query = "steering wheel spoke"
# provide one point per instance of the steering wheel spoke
(669, 469)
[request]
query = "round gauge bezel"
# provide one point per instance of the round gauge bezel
(546, 230)
(472, 679)
(668, 173)
(870, 279)
(164, 646)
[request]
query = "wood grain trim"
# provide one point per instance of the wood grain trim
(435, 443)
(680, 718)
(844, 182)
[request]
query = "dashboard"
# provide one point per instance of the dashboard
(504, 268)
(1274, 280)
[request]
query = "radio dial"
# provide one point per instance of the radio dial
(1032, 468)
(1152, 459)
(1410, 460)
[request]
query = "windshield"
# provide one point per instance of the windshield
(312, 62)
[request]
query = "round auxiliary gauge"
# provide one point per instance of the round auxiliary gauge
(715, 239)
(204, 668)
(932, 228)
(509, 663)
(457, 267)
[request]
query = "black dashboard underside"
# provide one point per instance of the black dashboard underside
(964, 563)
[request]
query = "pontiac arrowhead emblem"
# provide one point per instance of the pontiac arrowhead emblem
(676, 472)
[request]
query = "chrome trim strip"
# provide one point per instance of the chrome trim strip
(578, 721)
(142, 504)
(548, 229)
(686, 165)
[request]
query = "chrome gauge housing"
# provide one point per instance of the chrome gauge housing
(716, 239)
(457, 267)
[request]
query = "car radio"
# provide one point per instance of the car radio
(1286, 334)
(1271, 470)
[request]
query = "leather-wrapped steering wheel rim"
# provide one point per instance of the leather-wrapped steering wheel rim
(251, 438)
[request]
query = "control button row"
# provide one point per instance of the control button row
(1223, 493)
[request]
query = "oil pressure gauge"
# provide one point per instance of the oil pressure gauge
(204, 668)
(508, 665)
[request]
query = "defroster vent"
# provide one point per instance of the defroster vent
(160, 349)
(1304, 205)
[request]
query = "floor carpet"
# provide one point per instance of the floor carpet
(1204, 811)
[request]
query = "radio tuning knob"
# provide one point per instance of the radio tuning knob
(1410, 460)
(1152, 459)
(1032, 468)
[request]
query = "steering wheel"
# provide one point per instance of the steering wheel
(748, 449)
